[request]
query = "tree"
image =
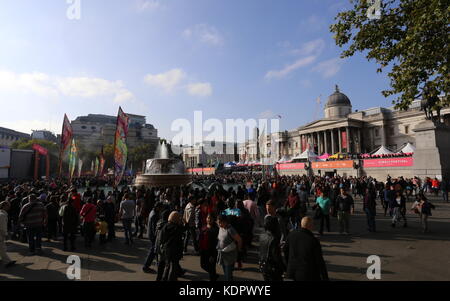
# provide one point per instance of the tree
(411, 37)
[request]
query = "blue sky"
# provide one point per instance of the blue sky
(167, 58)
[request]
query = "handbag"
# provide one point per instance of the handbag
(231, 247)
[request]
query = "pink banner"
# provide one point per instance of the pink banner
(41, 150)
(285, 166)
(200, 170)
(389, 162)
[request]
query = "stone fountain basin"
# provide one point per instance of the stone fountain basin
(162, 180)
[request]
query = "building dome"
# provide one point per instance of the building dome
(338, 105)
(338, 99)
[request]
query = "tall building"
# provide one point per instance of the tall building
(209, 153)
(352, 133)
(8, 136)
(346, 131)
(96, 130)
(44, 135)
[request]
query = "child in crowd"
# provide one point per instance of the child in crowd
(102, 229)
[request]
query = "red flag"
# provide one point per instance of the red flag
(66, 138)
(102, 163)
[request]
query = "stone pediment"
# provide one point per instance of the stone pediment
(321, 122)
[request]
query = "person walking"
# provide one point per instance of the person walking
(423, 208)
(127, 214)
(109, 210)
(189, 224)
(304, 254)
(207, 246)
(345, 206)
(171, 248)
(293, 207)
(271, 262)
(70, 221)
(139, 223)
(33, 216)
(369, 207)
(52, 218)
(445, 185)
(152, 223)
(398, 207)
(4, 208)
(229, 243)
(88, 213)
(323, 202)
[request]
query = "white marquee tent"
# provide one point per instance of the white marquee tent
(408, 148)
(382, 151)
(307, 154)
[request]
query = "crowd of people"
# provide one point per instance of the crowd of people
(218, 214)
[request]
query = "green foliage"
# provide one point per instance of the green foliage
(411, 38)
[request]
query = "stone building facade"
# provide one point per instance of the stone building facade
(8, 137)
(346, 131)
(208, 153)
(95, 130)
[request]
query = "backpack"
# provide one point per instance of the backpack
(159, 226)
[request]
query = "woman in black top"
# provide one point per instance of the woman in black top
(207, 244)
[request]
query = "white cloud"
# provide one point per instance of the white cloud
(311, 47)
(44, 85)
(308, 51)
(290, 68)
(93, 87)
(148, 5)
(200, 89)
(329, 68)
(205, 34)
(168, 81)
(27, 83)
(173, 80)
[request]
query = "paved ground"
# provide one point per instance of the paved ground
(406, 254)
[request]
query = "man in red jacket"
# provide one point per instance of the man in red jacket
(89, 213)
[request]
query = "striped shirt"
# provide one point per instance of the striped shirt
(35, 214)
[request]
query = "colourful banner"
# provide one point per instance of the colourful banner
(96, 166)
(41, 150)
(72, 159)
(80, 166)
(332, 164)
(120, 147)
(287, 166)
(66, 137)
(102, 166)
(344, 141)
(208, 170)
(304, 144)
(389, 162)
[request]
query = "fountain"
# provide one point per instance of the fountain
(163, 171)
